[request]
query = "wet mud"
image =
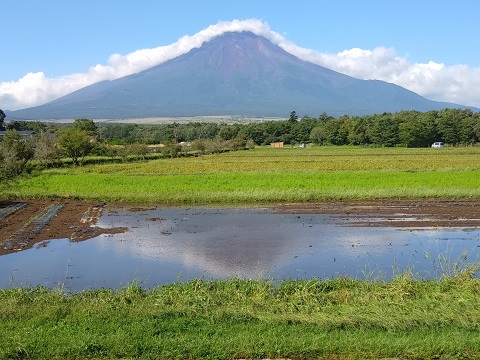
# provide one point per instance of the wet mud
(397, 213)
(25, 223)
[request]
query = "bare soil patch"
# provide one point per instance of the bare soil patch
(74, 221)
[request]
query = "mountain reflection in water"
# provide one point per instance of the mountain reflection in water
(165, 245)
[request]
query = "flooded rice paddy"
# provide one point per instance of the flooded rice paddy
(165, 245)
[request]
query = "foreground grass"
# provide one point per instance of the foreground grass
(266, 174)
(332, 319)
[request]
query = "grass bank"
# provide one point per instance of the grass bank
(265, 174)
(327, 319)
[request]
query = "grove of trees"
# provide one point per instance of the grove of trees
(405, 128)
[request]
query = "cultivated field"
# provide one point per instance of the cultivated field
(273, 175)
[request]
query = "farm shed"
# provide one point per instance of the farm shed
(278, 144)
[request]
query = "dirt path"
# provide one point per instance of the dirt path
(24, 223)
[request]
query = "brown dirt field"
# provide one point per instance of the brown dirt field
(74, 220)
(68, 223)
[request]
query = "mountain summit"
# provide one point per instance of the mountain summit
(232, 74)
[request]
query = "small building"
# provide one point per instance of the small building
(278, 144)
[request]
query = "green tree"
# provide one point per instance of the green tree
(323, 117)
(15, 151)
(172, 149)
(238, 143)
(336, 131)
(357, 134)
(18, 125)
(86, 125)
(2, 118)
(199, 146)
(302, 129)
(139, 150)
(254, 132)
(76, 143)
(384, 131)
(103, 148)
(293, 117)
(228, 132)
(476, 127)
(317, 135)
(448, 123)
(429, 129)
(44, 149)
(469, 129)
(408, 133)
(208, 130)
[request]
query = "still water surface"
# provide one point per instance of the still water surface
(165, 245)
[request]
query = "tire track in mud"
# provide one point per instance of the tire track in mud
(10, 209)
(26, 223)
(22, 238)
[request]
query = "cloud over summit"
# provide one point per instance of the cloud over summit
(432, 80)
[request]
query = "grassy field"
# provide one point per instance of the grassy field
(341, 318)
(231, 319)
(264, 174)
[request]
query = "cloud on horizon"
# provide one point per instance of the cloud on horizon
(435, 81)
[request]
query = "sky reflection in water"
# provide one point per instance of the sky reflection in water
(165, 245)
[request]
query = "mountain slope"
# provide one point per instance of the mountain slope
(233, 74)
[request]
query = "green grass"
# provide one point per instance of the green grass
(315, 159)
(252, 186)
(266, 174)
(333, 319)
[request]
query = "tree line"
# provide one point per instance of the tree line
(61, 145)
(122, 141)
(405, 128)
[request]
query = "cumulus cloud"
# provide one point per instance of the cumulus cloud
(435, 81)
(432, 80)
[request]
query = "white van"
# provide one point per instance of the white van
(438, 145)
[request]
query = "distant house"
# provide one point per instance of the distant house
(23, 133)
(278, 144)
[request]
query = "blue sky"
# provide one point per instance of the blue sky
(428, 46)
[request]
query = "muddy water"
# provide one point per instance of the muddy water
(165, 245)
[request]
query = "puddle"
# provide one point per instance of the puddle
(166, 245)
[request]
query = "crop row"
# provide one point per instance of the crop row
(229, 187)
(316, 159)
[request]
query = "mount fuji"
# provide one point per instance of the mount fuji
(236, 73)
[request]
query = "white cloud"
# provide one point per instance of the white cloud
(432, 80)
(435, 81)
